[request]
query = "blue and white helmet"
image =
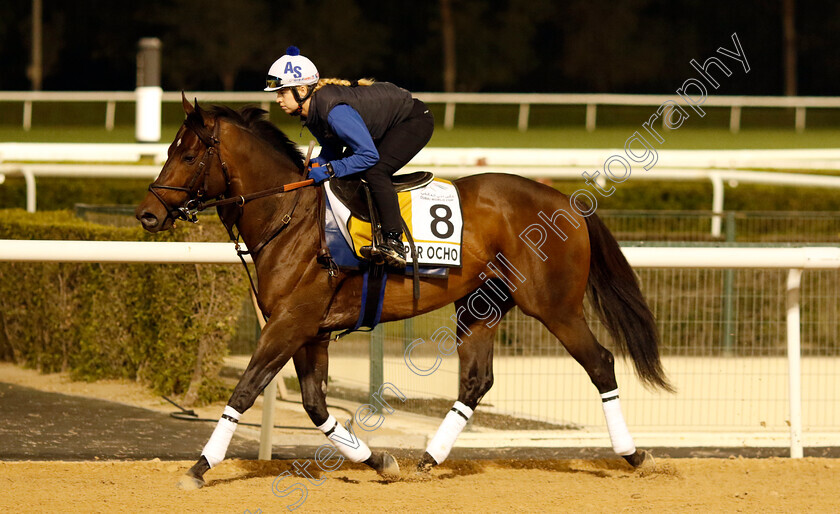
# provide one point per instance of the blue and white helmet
(291, 70)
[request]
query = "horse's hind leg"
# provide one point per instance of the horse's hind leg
(599, 364)
(312, 365)
(475, 352)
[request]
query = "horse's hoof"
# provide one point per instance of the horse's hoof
(424, 467)
(641, 460)
(384, 464)
(389, 467)
(648, 464)
(190, 483)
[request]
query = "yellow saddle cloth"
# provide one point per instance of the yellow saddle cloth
(432, 213)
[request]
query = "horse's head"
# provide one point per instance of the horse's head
(193, 171)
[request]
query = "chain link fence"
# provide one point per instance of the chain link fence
(723, 340)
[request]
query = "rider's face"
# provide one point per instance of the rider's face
(287, 100)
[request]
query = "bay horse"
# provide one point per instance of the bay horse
(225, 154)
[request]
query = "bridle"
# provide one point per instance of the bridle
(195, 189)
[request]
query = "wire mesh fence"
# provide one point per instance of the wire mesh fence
(736, 226)
(730, 370)
(723, 341)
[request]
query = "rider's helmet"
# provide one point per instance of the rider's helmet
(291, 70)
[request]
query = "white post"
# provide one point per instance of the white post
(794, 280)
(717, 202)
(735, 119)
(269, 393)
(149, 93)
(524, 112)
(269, 397)
(27, 115)
(148, 114)
(110, 114)
(449, 116)
(29, 178)
(800, 120)
(666, 115)
(591, 113)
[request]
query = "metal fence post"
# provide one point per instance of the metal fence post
(31, 192)
(728, 284)
(717, 202)
(269, 395)
(794, 280)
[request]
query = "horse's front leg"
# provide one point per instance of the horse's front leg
(312, 366)
(277, 344)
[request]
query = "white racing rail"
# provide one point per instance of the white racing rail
(524, 101)
(796, 260)
(721, 167)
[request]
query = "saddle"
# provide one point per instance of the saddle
(354, 193)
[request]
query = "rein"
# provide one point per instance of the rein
(193, 205)
(241, 200)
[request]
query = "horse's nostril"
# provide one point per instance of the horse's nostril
(148, 220)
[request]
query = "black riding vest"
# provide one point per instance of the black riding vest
(381, 106)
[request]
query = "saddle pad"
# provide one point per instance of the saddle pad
(433, 214)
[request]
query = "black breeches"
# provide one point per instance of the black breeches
(399, 145)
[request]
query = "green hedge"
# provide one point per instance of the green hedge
(164, 325)
(64, 193)
(697, 196)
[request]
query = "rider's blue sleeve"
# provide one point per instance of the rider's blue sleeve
(328, 153)
(348, 125)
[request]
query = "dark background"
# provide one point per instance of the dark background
(634, 46)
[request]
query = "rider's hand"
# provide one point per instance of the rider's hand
(318, 174)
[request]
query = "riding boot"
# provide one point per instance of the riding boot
(393, 250)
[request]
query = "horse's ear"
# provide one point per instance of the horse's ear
(188, 108)
(199, 111)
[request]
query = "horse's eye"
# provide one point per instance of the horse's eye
(189, 158)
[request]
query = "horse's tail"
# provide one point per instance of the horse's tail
(614, 293)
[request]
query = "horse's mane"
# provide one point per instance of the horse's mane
(254, 119)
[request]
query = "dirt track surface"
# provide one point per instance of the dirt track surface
(556, 483)
(39, 425)
(680, 485)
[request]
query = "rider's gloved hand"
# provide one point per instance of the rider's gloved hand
(318, 173)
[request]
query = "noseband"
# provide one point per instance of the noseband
(195, 190)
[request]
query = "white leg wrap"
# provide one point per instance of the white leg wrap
(449, 430)
(346, 441)
(622, 441)
(215, 449)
